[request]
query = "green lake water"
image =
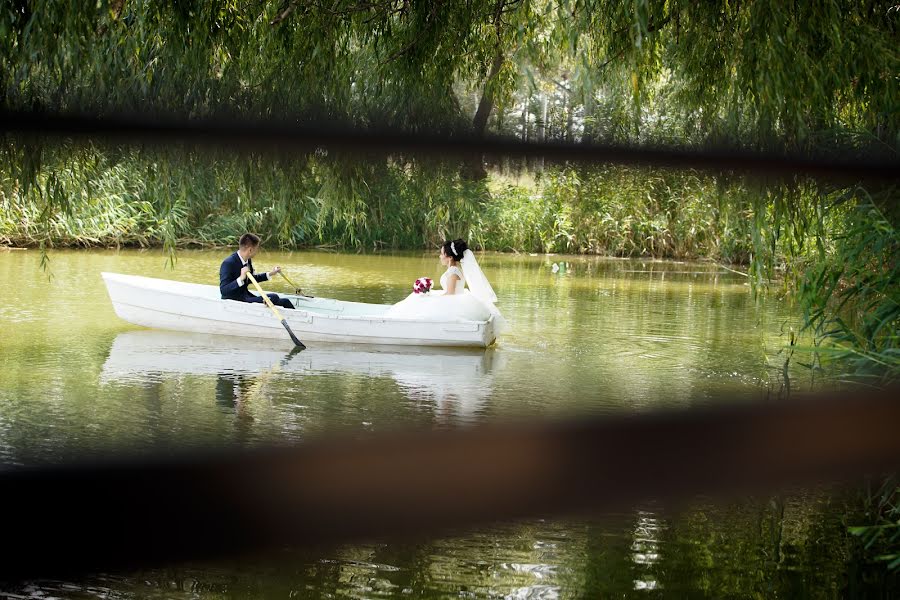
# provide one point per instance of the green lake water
(596, 337)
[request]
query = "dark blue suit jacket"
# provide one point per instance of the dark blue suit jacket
(228, 274)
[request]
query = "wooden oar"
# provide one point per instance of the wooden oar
(297, 290)
(275, 311)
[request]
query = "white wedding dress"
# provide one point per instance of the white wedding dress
(436, 305)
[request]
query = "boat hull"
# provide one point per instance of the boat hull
(191, 307)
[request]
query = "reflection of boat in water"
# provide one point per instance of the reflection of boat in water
(453, 375)
(193, 307)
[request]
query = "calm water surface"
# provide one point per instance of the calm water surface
(597, 336)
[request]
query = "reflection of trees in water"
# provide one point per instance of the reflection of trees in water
(763, 546)
(645, 545)
(607, 561)
(758, 547)
(411, 561)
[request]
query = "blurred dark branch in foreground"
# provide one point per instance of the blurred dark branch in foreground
(74, 519)
(280, 136)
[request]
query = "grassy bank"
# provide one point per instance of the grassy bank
(84, 197)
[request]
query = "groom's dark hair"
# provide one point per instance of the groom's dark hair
(249, 239)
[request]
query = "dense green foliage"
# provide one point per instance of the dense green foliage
(139, 200)
(760, 74)
(882, 506)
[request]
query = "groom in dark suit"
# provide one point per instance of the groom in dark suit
(233, 280)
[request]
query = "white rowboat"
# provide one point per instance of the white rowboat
(194, 307)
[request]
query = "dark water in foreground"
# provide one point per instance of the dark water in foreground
(597, 337)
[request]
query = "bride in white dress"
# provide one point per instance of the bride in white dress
(454, 301)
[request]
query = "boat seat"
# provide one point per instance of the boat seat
(314, 307)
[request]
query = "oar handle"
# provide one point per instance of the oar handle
(290, 283)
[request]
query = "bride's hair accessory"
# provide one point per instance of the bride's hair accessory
(455, 249)
(422, 285)
(475, 279)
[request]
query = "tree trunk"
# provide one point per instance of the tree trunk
(474, 168)
(486, 105)
(588, 136)
(542, 127)
(525, 106)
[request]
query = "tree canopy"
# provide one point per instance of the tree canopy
(758, 73)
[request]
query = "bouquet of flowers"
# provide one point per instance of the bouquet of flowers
(422, 285)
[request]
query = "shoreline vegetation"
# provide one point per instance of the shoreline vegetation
(92, 198)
